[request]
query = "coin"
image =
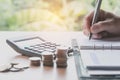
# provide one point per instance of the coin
(35, 61)
(48, 55)
(48, 63)
(61, 52)
(5, 67)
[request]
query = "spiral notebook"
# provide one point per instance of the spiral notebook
(104, 44)
(100, 57)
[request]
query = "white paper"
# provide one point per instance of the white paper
(106, 44)
(103, 53)
(101, 58)
(98, 72)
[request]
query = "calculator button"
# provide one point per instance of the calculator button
(41, 45)
(35, 49)
(28, 48)
(57, 45)
(36, 45)
(47, 46)
(40, 50)
(52, 50)
(25, 47)
(48, 42)
(32, 46)
(53, 47)
(47, 49)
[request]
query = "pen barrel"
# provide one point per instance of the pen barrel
(96, 15)
(96, 12)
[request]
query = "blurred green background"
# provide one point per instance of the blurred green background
(48, 15)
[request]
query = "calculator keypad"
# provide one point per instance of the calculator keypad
(45, 46)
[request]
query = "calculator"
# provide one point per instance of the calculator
(32, 45)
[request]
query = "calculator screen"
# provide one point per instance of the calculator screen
(29, 42)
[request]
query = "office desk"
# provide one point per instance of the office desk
(7, 54)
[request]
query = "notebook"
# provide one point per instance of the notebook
(101, 60)
(104, 44)
(100, 57)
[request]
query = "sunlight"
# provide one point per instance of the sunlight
(48, 15)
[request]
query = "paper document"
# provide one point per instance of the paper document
(101, 62)
(100, 57)
(104, 73)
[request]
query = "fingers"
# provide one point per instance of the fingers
(96, 36)
(100, 35)
(101, 29)
(88, 20)
(87, 23)
(101, 26)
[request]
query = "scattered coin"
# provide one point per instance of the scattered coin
(5, 67)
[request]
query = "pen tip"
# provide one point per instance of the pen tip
(90, 36)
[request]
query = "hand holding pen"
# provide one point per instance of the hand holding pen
(96, 14)
(107, 25)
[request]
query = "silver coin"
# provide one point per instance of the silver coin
(5, 67)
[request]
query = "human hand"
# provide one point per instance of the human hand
(108, 25)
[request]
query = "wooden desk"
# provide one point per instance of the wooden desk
(7, 54)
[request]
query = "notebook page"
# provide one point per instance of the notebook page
(106, 44)
(102, 59)
(104, 73)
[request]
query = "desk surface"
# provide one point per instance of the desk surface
(7, 54)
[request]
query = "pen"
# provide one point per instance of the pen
(96, 13)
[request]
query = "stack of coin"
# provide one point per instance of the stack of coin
(62, 52)
(48, 58)
(61, 62)
(35, 61)
(61, 57)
